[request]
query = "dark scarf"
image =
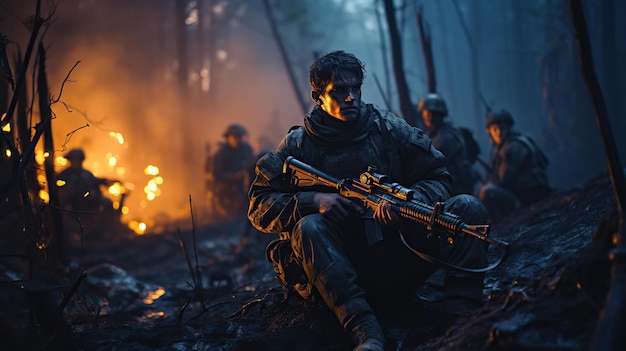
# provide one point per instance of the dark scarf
(325, 129)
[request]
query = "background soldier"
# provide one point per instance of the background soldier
(231, 170)
(517, 176)
(80, 191)
(460, 149)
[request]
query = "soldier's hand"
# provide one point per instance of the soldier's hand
(335, 206)
(386, 214)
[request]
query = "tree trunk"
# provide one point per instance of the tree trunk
(610, 67)
(609, 333)
(428, 51)
(386, 92)
(56, 221)
(283, 54)
(407, 108)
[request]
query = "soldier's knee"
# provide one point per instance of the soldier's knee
(310, 227)
(487, 192)
(468, 207)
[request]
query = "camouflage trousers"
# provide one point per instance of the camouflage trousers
(335, 260)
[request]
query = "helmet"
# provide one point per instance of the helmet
(500, 117)
(75, 153)
(434, 103)
(235, 129)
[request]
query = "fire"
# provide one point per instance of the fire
(117, 136)
(137, 227)
(117, 189)
(61, 161)
(110, 165)
(40, 157)
(153, 295)
(151, 170)
(112, 160)
(44, 196)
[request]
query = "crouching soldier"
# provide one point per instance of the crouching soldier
(324, 235)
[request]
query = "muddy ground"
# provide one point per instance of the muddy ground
(138, 292)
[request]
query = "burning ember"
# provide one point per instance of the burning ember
(153, 295)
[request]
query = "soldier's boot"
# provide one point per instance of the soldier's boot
(316, 243)
(462, 296)
(366, 333)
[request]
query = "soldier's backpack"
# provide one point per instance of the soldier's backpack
(471, 145)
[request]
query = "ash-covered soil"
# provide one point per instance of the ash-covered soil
(139, 292)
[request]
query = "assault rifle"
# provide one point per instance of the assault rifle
(373, 188)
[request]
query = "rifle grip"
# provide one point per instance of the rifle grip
(373, 232)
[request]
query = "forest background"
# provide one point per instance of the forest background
(154, 83)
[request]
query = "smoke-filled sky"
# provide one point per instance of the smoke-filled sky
(127, 56)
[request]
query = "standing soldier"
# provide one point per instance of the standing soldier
(231, 165)
(517, 177)
(460, 148)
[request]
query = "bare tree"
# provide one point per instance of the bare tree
(424, 31)
(406, 106)
(609, 334)
(285, 56)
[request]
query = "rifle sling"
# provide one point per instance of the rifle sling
(436, 261)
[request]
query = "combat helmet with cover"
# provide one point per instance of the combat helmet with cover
(433, 102)
(502, 117)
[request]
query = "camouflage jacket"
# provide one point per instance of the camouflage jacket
(519, 165)
(229, 161)
(408, 158)
(449, 140)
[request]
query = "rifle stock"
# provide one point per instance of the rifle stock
(372, 188)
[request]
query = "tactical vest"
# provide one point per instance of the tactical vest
(378, 150)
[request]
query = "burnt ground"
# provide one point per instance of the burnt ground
(139, 294)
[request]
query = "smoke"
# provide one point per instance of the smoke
(125, 84)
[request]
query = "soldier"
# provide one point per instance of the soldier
(324, 252)
(231, 164)
(80, 191)
(452, 142)
(517, 176)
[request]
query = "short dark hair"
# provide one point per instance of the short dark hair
(325, 68)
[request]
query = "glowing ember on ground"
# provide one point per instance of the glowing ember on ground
(153, 295)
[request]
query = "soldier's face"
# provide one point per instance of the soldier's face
(342, 97)
(497, 133)
(76, 163)
(233, 140)
(427, 116)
